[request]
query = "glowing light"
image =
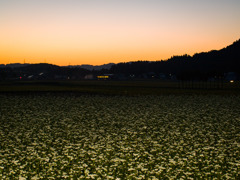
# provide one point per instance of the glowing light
(232, 81)
(102, 77)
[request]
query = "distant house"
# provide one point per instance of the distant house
(89, 76)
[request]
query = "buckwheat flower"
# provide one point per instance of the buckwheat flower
(144, 169)
(21, 178)
(110, 177)
(86, 171)
(172, 161)
(35, 177)
(131, 169)
(93, 176)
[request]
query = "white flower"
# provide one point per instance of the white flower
(21, 178)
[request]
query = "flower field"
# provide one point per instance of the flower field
(118, 137)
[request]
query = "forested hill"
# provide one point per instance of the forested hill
(216, 61)
(200, 66)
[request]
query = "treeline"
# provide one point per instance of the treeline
(199, 66)
(42, 71)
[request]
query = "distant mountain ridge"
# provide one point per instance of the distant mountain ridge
(84, 66)
(92, 67)
(14, 65)
(215, 61)
(202, 65)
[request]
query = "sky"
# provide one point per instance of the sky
(75, 32)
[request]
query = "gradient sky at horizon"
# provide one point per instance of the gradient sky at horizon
(96, 32)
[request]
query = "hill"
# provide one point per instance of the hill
(92, 67)
(200, 65)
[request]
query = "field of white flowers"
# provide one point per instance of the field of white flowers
(117, 137)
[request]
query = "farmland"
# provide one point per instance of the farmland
(126, 88)
(48, 136)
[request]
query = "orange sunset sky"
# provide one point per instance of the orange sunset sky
(75, 32)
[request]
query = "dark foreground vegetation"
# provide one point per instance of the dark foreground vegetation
(121, 87)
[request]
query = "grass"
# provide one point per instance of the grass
(121, 87)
